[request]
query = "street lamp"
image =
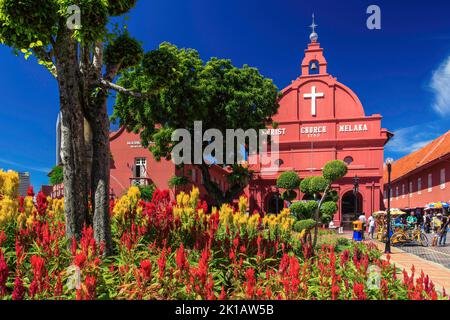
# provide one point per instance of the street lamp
(389, 162)
(277, 199)
(355, 192)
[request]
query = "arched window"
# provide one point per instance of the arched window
(279, 162)
(348, 160)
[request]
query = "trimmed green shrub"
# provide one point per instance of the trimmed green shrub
(299, 210)
(301, 225)
(334, 170)
(305, 185)
(329, 208)
(288, 180)
(317, 185)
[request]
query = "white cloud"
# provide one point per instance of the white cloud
(440, 85)
(410, 139)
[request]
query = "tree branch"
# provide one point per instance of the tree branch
(109, 85)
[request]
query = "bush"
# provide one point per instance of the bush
(311, 206)
(334, 170)
(301, 225)
(299, 210)
(317, 185)
(288, 180)
(326, 219)
(305, 185)
(329, 208)
(147, 192)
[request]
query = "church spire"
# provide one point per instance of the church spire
(313, 36)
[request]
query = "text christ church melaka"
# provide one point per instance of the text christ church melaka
(319, 120)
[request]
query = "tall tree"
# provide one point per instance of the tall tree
(76, 56)
(179, 89)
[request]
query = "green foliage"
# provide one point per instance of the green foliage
(301, 225)
(332, 195)
(334, 170)
(305, 185)
(57, 175)
(178, 181)
(124, 51)
(311, 206)
(119, 7)
(288, 180)
(299, 210)
(240, 175)
(182, 88)
(326, 218)
(147, 192)
(317, 185)
(329, 208)
(28, 21)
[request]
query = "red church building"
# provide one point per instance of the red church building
(321, 119)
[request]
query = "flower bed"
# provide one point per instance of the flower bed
(174, 250)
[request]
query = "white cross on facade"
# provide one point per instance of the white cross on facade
(313, 95)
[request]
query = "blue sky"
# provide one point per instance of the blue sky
(401, 72)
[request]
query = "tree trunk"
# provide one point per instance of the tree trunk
(99, 123)
(73, 146)
(316, 215)
(214, 190)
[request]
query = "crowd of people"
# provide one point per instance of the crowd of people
(435, 222)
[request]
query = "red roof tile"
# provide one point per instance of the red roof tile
(432, 151)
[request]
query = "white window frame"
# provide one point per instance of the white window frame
(142, 163)
(419, 185)
(396, 192)
(403, 191)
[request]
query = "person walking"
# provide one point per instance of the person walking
(444, 230)
(371, 226)
(362, 219)
(427, 222)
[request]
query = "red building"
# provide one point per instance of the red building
(319, 120)
(421, 177)
(132, 164)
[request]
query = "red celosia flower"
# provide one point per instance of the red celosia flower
(80, 260)
(162, 263)
(30, 191)
(250, 283)
(2, 237)
(3, 273)
(41, 201)
(146, 269)
(58, 287)
(358, 291)
(181, 260)
(91, 287)
(19, 290)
